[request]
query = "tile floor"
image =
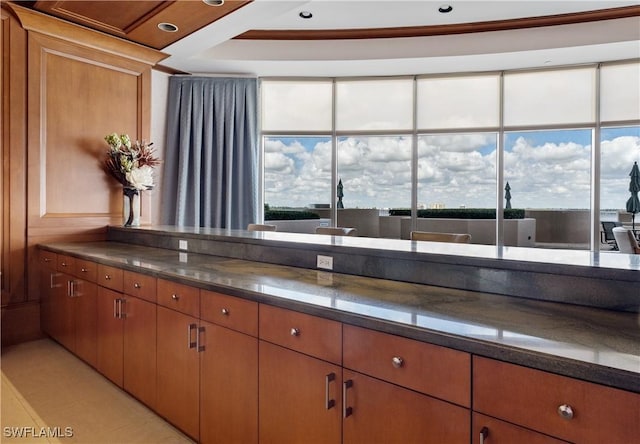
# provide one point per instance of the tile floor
(45, 390)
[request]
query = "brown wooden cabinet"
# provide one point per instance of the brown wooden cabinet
(139, 349)
(110, 348)
(228, 370)
(127, 334)
(379, 412)
(566, 408)
(178, 369)
(299, 397)
(394, 411)
(488, 430)
(300, 377)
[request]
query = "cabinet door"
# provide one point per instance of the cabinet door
(62, 313)
(488, 430)
(178, 363)
(299, 398)
(50, 281)
(228, 386)
(85, 316)
(139, 349)
(110, 335)
(379, 412)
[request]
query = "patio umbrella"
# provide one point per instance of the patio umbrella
(340, 194)
(633, 204)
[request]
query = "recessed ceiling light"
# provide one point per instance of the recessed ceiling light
(445, 9)
(305, 15)
(213, 2)
(167, 27)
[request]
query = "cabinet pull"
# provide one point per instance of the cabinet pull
(225, 311)
(84, 270)
(137, 285)
(115, 308)
(565, 411)
(47, 260)
(175, 297)
(107, 277)
(51, 284)
(484, 433)
(346, 411)
(397, 361)
(121, 313)
(63, 264)
(329, 403)
(190, 343)
(295, 331)
(199, 348)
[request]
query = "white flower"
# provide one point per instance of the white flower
(140, 178)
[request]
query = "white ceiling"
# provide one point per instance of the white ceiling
(212, 50)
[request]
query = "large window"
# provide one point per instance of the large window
(457, 141)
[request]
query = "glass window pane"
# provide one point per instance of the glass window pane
(374, 105)
(549, 97)
(375, 171)
(459, 102)
(549, 175)
(296, 105)
(619, 149)
(620, 92)
(457, 171)
(297, 171)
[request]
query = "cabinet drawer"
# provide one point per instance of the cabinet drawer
(537, 400)
(139, 285)
(229, 311)
(48, 259)
(66, 264)
(308, 334)
(110, 277)
(85, 270)
(430, 369)
(179, 297)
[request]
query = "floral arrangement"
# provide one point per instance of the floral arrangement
(131, 164)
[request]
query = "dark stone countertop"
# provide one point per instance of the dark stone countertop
(591, 344)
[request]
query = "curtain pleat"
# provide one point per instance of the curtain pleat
(211, 160)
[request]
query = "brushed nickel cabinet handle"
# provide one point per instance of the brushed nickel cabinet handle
(397, 361)
(121, 313)
(115, 308)
(295, 332)
(190, 329)
(107, 277)
(199, 347)
(175, 297)
(63, 264)
(329, 403)
(484, 433)
(47, 260)
(84, 270)
(225, 311)
(346, 411)
(565, 411)
(137, 285)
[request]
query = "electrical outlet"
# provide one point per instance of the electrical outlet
(325, 262)
(182, 244)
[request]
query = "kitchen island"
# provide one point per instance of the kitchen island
(576, 343)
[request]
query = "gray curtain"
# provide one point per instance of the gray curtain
(211, 159)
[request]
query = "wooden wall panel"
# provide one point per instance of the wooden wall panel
(14, 160)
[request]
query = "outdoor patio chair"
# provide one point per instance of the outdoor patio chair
(606, 235)
(460, 238)
(627, 242)
(261, 227)
(337, 231)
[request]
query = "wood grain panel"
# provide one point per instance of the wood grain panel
(13, 147)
